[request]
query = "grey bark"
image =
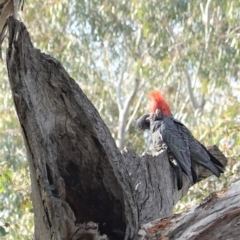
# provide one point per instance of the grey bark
(83, 187)
(216, 218)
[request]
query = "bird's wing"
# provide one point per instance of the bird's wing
(213, 159)
(198, 152)
(178, 145)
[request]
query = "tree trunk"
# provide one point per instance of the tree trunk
(83, 187)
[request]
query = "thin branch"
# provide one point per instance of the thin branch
(119, 85)
(123, 113)
(207, 33)
(202, 104)
(131, 97)
(178, 116)
(120, 81)
(189, 80)
(134, 112)
(177, 95)
(190, 90)
(170, 68)
(234, 30)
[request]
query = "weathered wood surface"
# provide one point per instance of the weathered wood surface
(154, 184)
(77, 173)
(216, 218)
(73, 158)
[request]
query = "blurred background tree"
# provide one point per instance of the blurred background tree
(117, 51)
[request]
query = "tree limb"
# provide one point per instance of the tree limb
(216, 218)
(186, 73)
(134, 112)
(190, 90)
(123, 114)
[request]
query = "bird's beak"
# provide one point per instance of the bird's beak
(157, 112)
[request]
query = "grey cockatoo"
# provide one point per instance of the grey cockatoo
(182, 146)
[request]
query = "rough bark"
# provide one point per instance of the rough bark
(73, 158)
(154, 185)
(216, 218)
(77, 173)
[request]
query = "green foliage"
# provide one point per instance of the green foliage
(188, 49)
(16, 220)
(3, 231)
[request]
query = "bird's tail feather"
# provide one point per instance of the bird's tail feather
(194, 175)
(213, 159)
(178, 173)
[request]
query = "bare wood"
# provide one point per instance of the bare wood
(154, 185)
(73, 158)
(78, 174)
(216, 218)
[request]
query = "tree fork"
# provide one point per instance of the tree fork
(79, 177)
